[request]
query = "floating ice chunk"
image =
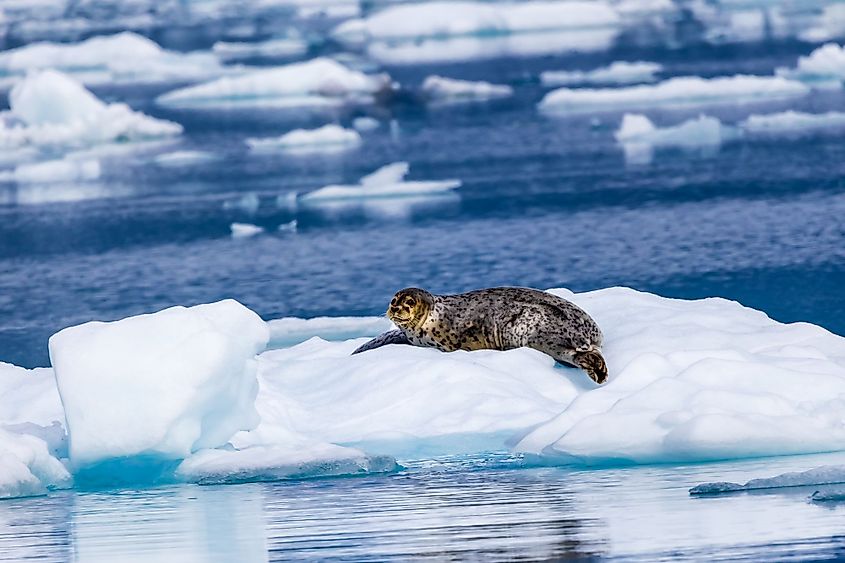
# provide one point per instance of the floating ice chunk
(292, 330)
(619, 72)
(639, 136)
(445, 19)
(824, 475)
(27, 468)
(439, 89)
(29, 396)
(384, 182)
(49, 109)
(831, 25)
(122, 58)
(823, 68)
(365, 124)
(245, 230)
(183, 158)
(699, 380)
(277, 462)
(793, 122)
(681, 91)
(328, 138)
(162, 385)
(248, 203)
(289, 227)
(54, 171)
(320, 82)
(287, 47)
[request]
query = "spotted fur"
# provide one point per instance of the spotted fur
(499, 318)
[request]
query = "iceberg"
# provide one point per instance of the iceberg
(793, 123)
(439, 89)
(318, 82)
(124, 58)
(639, 136)
(823, 68)
(681, 91)
(245, 230)
(162, 385)
(51, 110)
(386, 182)
(824, 475)
(329, 138)
(365, 124)
(619, 72)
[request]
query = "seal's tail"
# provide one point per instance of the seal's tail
(593, 363)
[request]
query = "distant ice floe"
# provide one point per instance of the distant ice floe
(793, 122)
(619, 72)
(318, 82)
(386, 182)
(176, 159)
(443, 31)
(681, 91)
(51, 110)
(124, 58)
(280, 48)
(365, 124)
(441, 90)
(329, 138)
(823, 68)
(54, 171)
(830, 25)
(639, 136)
(824, 475)
(245, 230)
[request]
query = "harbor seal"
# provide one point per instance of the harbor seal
(499, 318)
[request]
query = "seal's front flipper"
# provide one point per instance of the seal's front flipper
(593, 363)
(389, 337)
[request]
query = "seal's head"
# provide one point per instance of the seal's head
(409, 307)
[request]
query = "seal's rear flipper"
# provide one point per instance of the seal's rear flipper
(389, 337)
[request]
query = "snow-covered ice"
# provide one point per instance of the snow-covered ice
(387, 181)
(124, 58)
(328, 138)
(619, 72)
(318, 82)
(639, 136)
(793, 123)
(245, 230)
(824, 475)
(823, 68)
(165, 384)
(681, 91)
(439, 89)
(51, 110)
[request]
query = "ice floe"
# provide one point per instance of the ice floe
(176, 159)
(51, 110)
(365, 124)
(54, 171)
(442, 90)
(281, 48)
(318, 82)
(639, 136)
(245, 230)
(793, 122)
(823, 68)
(824, 475)
(124, 58)
(619, 72)
(328, 138)
(681, 91)
(385, 182)
(163, 385)
(27, 468)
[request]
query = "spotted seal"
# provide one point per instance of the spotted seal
(499, 318)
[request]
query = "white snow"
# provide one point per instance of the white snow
(124, 58)
(245, 230)
(164, 384)
(439, 89)
(793, 122)
(824, 475)
(319, 82)
(287, 47)
(619, 72)
(681, 91)
(639, 136)
(51, 110)
(823, 68)
(328, 138)
(387, 181)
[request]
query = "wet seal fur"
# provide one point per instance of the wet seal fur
(499, 318)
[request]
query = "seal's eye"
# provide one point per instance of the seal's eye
(412, 302)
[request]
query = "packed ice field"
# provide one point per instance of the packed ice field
(214, 394)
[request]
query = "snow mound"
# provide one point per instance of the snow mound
(245, 230)
(823, 68)
(385, 182)
(124, 58)
(619, 72)
(328, 138)
(639, 136)
(824, 475)
(51, 110)
(439, 89)
(793, 122)
(161, 385)
(317, 82)
(27, 468)
(699, 380)
(287, 47)
(681, 91)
